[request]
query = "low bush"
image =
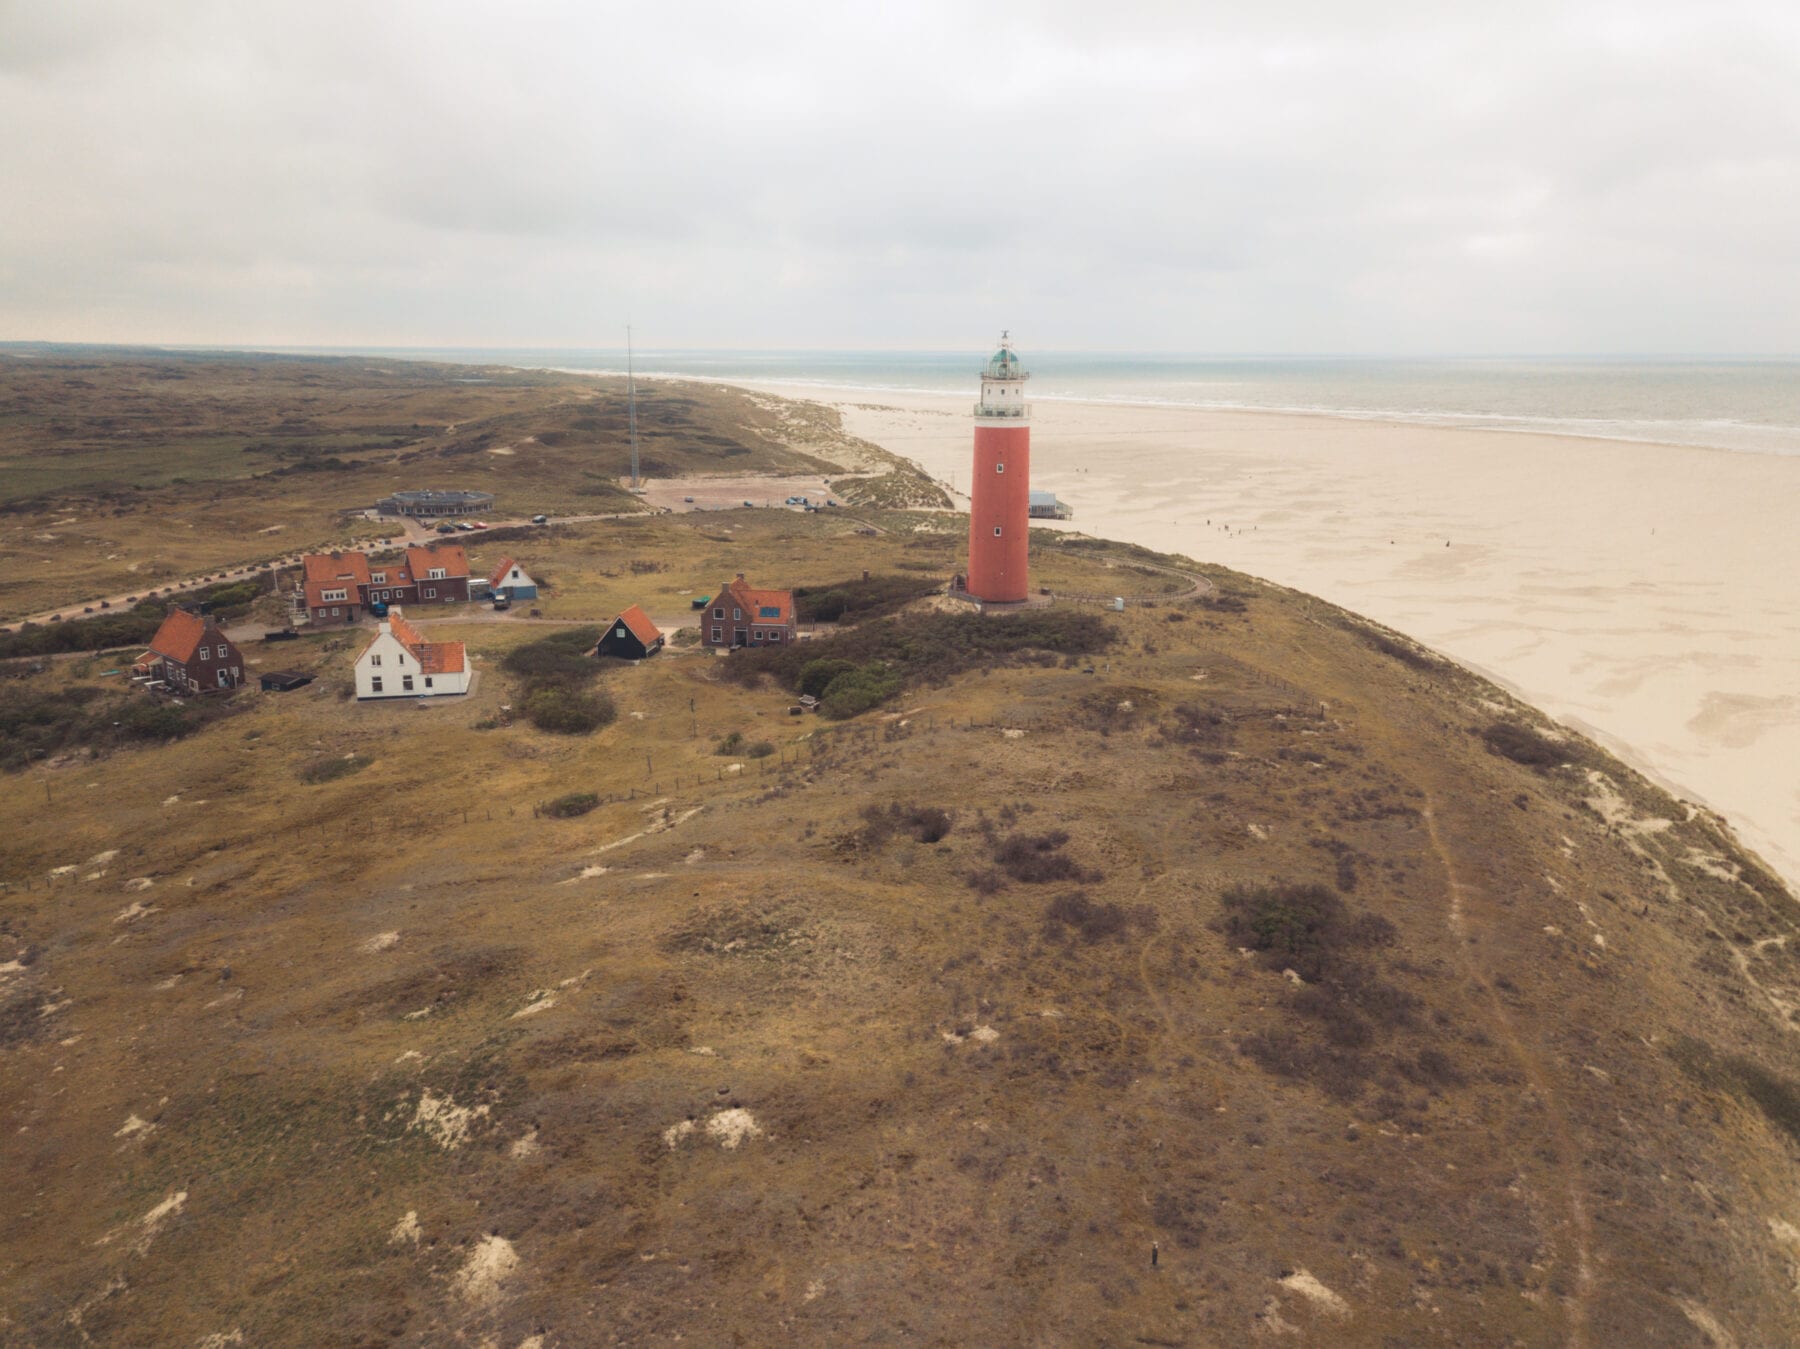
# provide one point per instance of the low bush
(816, 676)
(332, 768)
(134, 627)
(866, 597)
(1037, 859)
(1305, 928)
(570, 806)
(1341, 1074)
(924, 824)
(557, 671)
(1076, 912)
(1522, 745)
(930, 647)
(857, 690)
(561, 655)
(35, 725)
(565, 710)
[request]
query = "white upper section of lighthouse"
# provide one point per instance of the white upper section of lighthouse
(1003, 386)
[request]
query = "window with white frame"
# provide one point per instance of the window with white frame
(205, 653)
(716, 634)
(375, 659)
(999, 468)
(996, 531)
(375, 684)
(406, 683)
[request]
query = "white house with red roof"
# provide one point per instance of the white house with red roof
(189, 654)
(337, 587)
(400, 663)
(741, 615)
(511, 581)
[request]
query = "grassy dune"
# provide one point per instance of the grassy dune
(121, 474)
(381, 1053)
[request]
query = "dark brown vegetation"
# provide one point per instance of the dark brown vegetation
(36, 724)
(851, 672)
(557, 692)
(862, 598)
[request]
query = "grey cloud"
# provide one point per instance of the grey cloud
(1385, 177)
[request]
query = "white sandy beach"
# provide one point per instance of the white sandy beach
(1647, 595)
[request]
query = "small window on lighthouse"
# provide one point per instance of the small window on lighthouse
(996, 531)
(999, 468)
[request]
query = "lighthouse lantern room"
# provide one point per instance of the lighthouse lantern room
(1000, 490)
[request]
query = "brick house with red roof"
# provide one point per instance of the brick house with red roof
(400, 663)
(337, 587)
(740, 615)
(632, 636)
(190, 654)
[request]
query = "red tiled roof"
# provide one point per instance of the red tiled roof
(641, 626)
(179, 636)
(500, 571)
(333, 571)
(433, 657)
(753, 602)
(449, 556)
(406, 632)
(441, 658)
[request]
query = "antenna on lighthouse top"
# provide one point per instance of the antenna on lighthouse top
(631, 409)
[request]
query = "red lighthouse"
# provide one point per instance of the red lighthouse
(1000, 491)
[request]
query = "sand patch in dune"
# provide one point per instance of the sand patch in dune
(1316, 1293)
(483, 1277)
(447, 1123)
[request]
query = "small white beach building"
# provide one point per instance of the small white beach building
(400, 663)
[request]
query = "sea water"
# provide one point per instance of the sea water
(1738, 404)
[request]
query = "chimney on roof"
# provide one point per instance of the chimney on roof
(740, 576)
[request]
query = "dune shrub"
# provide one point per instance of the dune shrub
(1523, 745)
(571, 806)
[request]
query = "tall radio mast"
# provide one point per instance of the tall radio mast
(631, 408)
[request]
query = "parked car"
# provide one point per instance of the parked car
(465, 526)
(481, 524)
(544, 519)
(502, 602)
(446, 528)
(749, 503)
(688, 500)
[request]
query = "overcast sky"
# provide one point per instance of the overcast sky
(1252, 176)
